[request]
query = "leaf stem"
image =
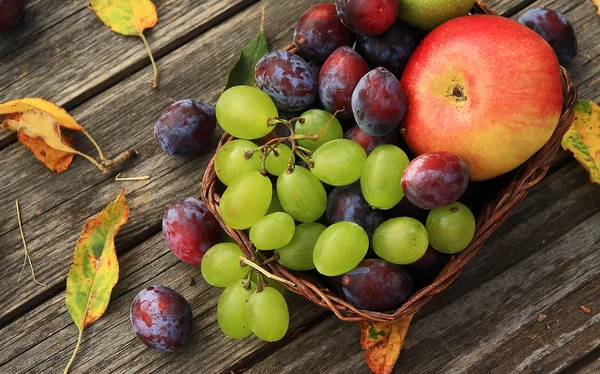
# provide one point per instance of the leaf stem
(266, 273)
(100, 153)
(155, 82)
(25, 247)
(74, 352)
(262, 19)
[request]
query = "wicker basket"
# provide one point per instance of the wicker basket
(491, 217)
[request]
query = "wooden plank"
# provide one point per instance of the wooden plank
(466, 332)
(76, 56)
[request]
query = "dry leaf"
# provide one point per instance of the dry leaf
(585, 309)
(23, 105)
(583, 138)
(57, 161)
(382, 343)
(597, 3)
(128, 17)
(95, 268)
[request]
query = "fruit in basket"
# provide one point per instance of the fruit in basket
(378, 102)
(491, 94)
(340, 248)
(338, 79)
(161, 318)
(450, 228)
(246, 200)
(367, 17)
(390, 50)
(190, 229)
(221, 265)
(339, 162)
(346, 203)
(555, 28)
(231, 160)
(185, 128)
(279, 131)
(277, 163)
(10, 13)
(268, 315)
(427, 267)
(319, 32)
(272, 231)
(245, 111)
(435, 179)
(302, 195)
(401, 240)
(380, 181)
(376, 285)
(231, 310)
(370, 142)
(427, 14)
(315, 120)
(298, 253)
(287, 79)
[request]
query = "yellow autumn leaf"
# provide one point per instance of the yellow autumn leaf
(128, 17)
(29, 103)
(583, 138)
(597, 3)
(382, 343)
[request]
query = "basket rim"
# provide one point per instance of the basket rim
(491, 217)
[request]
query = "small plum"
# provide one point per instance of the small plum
(10, 13)
(555, 28)
(367, 17)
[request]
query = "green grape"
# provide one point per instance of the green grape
(246, 200)
(451, 228)
(298, 253)
(275, 204)
(231, 310)
(272, 231)
(268, 315)
(401, 240)
(302, 195)
(244, 112)
(340, 248)
(339, 162)
(221, 265)
(276, 285)
(276, 165)
(230, 161)
(381, 179)
(315, 121)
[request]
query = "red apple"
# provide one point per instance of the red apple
(485, 88)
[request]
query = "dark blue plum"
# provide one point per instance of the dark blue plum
(185, 128)
(390, 50)
(161, 318)
(319, 33)
(10, 13)
(376, 285)
(379, 102)
(338, 78)
(346, 203)
(287, 79)
(555, 29)
(370, 142)
(426, 268)
(367, 17)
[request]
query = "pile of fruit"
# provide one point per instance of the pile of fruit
(324, 150)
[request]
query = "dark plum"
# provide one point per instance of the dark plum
(435, 179)
(185, 128)
(161, 318)
(287, 79)
(555, 28)
(427, 267)
(339, 76)
(319, 33)
(10, 13)
(190, 229)
(379, 102)
(370, 142)
(376, 285)
(279, 131)
(367, 17)
(346, 203)
(389, 50)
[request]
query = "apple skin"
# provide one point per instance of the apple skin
(427, 14)
(491, 93)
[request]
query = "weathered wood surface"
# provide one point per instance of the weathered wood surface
(549, 239)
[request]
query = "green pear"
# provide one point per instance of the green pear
(427, 14)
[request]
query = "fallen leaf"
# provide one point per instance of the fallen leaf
(583, 138)
(95, 268)
(55, 160)
(30, 103)
(242, 72)
(130, 18)
(585, 309)
(597, 4)
(542, 317)
(382, 343)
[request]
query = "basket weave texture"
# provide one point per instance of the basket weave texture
(491, 217)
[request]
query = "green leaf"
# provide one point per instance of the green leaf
(95, 268)
(583, 138)
(242, 73)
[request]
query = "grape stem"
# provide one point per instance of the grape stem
(265, 273)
